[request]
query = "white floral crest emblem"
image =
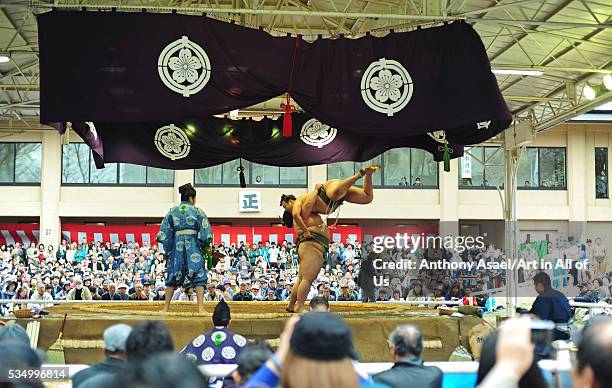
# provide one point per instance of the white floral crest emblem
(172, 142)
(184, 67)
(386, 86)
(317, 134)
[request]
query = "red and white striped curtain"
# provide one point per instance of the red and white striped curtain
(28, 233)
(19, 233)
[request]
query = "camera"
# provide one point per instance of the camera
(542, 335)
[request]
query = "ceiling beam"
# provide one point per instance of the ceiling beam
(296, 12)
(498, 7)
(551, 68)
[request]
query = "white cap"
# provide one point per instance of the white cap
(115, 337)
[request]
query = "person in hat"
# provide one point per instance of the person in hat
(79, 292)
(123, 291)
(218, 346)
(185, 233)
(212, 295)
(586, 294)
(316, 350)
(271, 296)
(63, 293)
(256, 292)
(114, 350)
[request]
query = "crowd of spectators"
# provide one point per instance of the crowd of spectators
(260, 272)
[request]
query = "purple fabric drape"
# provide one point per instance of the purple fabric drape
(198, 143)
(142, 68)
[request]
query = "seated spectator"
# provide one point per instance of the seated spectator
(212, 295)
(599, 291)
(271, 296)
(416, 292)
(123, 294)
(345, 295)
(586, 294)
(397, 296)
(63, 293)
(79, 292)
(219, 346)
(138, 293)
(159, 294)
(594, 357)
(316, 350)
(382, 295)
(326, 292)
(114, 350)
(23, 293)
(111, 294)
(319, 304)
(551, 305)
(248, 361)
(42, 295)
(454, 293)
(243, 295)
(256, 293)
(408, 369)
(161, 371)
(468, 298)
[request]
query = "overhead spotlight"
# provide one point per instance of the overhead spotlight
(536, 73)
(607, 81)
(589, 92)
(234, 114)
(4, 58)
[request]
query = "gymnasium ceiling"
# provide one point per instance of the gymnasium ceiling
(569, 41)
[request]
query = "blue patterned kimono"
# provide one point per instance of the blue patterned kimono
(184, 233)
(218, 346)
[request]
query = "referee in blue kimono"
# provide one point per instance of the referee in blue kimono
(185, 233)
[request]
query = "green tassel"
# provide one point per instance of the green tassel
(446, 156)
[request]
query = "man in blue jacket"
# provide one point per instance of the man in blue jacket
(551, 304)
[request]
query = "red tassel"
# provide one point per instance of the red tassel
(287, 121)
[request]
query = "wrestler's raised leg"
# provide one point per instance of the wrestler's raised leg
(168, 294)
(364, 195)
(336, 189)
(311, 261)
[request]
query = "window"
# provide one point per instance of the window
(528, 169)
(78, 168)
(255, 174)
(538, 168)
(601, 172)
(20, 163)
(401, 167)
(552, 168)
(482, 167)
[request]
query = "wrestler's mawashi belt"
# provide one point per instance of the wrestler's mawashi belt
(186, 232)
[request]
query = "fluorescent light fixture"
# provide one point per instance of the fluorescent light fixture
(234, 114)
(589, 93)
(607, 81)
(4, 58)
(518, 72)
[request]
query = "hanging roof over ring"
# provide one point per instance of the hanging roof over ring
(566, 44)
